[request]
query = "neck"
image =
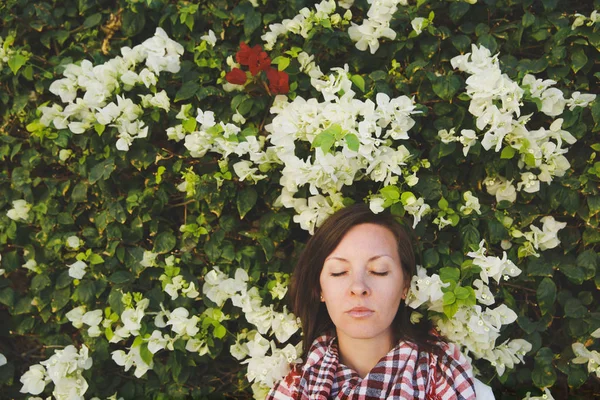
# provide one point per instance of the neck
(363, 354)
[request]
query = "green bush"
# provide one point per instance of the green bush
(163, 163)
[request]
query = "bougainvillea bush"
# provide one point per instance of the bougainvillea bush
(164, 162)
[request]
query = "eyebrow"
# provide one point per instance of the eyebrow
(370, 259)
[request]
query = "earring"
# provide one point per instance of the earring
(322, 298)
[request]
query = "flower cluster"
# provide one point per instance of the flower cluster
(264, 370)
(350, 138)
(581, 19)
(376, 25)
(20, 210)
(475, 327)
(64, 369)
(303, 23)
(539, 239)
(99, 84)
(496, 101)
(583, 355)
(257, 60)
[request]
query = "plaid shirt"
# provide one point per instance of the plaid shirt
(404, 373)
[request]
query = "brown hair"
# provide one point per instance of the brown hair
(305, 286)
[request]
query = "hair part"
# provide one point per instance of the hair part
(305, 287)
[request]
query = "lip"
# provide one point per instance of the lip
(360, 312)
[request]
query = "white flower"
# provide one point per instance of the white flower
(20, 210)
(64, 154)
(133, 358)
(580, 100)
(592, 358)
(471, 204)
(546, 396)
(190, 291)
(284, 325)
(483, 293)
(418, 24)
(148, 259)
(376, 204)
(467, 138)
(158, 342)
(210, 38)
(77, 269)
(553, 102)
(32, 265)
(197, 346)
(75, 316)
(73, 242)
(447, 137)
(181, 324)
(3, 360)
(425, 289)
(34, 380)
(545, 238)
(501, 188)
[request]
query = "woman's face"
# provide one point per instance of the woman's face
(362, 283)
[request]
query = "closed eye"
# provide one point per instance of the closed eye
(338, 273)
(380, 273)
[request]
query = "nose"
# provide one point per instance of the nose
(359, 287)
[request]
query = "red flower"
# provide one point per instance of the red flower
(255, 58)
(278, 81)
(236, 76)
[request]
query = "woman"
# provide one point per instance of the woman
(348, 290)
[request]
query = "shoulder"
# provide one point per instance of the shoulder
(291, 385)
(450, 374)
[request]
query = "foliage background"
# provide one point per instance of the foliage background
(122, 203)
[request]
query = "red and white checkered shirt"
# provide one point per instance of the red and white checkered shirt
(403, 373)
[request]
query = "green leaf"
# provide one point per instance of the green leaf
(446, 86)
(449, 274)
(588, 262)
(449, 298)
(132, 22)
(352, 141)
(324, 140)
(593, 203)
(450, 309)
(121, 277)
(92, 20)
(390, 192)
(85, 292)
(16, 62)
(578, 59)
(189, 125)
(164, 242)
(60, 298)
(574, 308)
(145, 353)
(507, 153)
(220, 332)
(246, 199)
(461, 293)
(546, 295)
(431, 258)
(252, 21)
(40, 282)
(187, 90)
(102, 170)
(282, 62)
(528, 19)
(359, 81)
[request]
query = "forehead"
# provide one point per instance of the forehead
(367, 239)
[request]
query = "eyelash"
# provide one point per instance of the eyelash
(373, 272)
